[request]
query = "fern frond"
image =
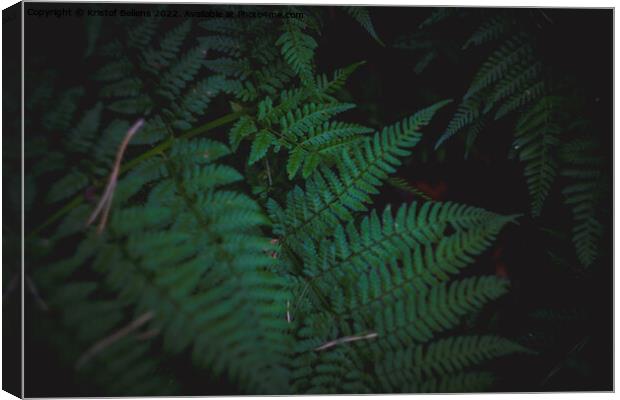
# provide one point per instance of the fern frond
(243, 128)
(514, 50)
(404, 185)
(489, 30)
(79, 313)
(330, 197)
(438, 15)
(362, 16)
(328, 373)
(298, 50)
(60, 116)
(517, 79)
(224, 44)
(169, 47)
(583, 193)
(201, 279)
(140, 36)
(468, 111)
(323, 143)
(441, 358)
(416, 320)
(301, 121)
(185, 70)
(426, 256)
(536, 135)
(67, 186)
(327, 87)
(519, 99)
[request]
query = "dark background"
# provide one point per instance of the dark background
(577, 44)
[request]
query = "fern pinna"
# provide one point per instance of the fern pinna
(253, 252)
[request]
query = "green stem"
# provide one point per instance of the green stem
(160, 148)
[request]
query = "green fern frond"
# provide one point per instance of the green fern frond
(519, 99)
(328, 87)
(301, 121)
(140, 36)
(201, 280)
(243, 128)
(328, 373)
(583, 194)
(61, 115)
(441, 358)
(404, 185)
(438, 15)
(515, 49)
(224, 44)
(378, 241)
(79, 313)
(468, 111)
(517, 79)
(536, 135)
(426, 256)
(182, 72)
(434, 310)
(489, 30)
(169, 47)
(330, 197)
(67, 186)
(260, 145)
(362, 16)
(323, 143)
(298, 50)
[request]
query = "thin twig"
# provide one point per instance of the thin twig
(346, 339)
(35, 293)
(578, 347)
(148, 334)
(106, 199)
(546, 16)
(116, 336)
(159, 149)
(288, 311)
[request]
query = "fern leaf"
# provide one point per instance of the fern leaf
(61, 115)
(441, 358)
(185, 70)
(489, 30)
(82, 136)
(519, 99)
(301, 121)
(583, 194)
(67, 186)
(467, 112)
(328, 87)
(402, 184)
(498, 63)
(244, 127)
(260, 145)
(362, 16)
(298, 50)
(536, 135)
(329, 197)
(140, 36)
(438, 15)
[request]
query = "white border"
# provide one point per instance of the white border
(471, 3)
